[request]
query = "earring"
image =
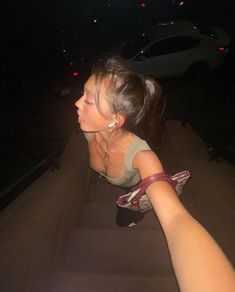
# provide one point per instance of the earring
(113, 124)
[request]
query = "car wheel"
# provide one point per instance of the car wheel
(197, 71)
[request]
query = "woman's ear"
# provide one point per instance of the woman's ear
(121, 120)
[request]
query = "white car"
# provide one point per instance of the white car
(177, 49)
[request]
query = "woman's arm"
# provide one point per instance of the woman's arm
(199, 263)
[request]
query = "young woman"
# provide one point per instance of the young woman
(114, 102)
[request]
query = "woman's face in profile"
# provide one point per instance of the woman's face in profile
(89, 116)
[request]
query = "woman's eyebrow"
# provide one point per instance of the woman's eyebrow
(86, 89)
(88, 92)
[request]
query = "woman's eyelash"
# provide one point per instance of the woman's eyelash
(88, 102)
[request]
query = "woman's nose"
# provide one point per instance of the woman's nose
(78, 103)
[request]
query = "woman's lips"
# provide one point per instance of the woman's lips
(80, 120)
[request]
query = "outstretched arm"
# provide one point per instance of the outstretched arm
(199, 263)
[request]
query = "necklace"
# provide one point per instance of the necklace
(106, 154)
(104, 146)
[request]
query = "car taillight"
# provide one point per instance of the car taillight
(221, 49)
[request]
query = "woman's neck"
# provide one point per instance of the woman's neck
(114, 138)
(110, 142)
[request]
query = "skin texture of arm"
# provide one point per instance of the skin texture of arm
(198, 261)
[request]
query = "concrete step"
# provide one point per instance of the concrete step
(142, 252)
(70, 281)
(102, 216)
(103, 192)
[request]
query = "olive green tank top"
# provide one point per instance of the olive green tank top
(131, 176)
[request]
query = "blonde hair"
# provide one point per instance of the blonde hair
(133, 95)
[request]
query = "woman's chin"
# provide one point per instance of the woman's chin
(86, 128)
(83, 128)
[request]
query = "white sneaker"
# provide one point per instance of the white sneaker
(132, 224)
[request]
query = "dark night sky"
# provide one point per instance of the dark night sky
(34, 32)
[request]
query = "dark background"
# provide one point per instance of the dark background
(44, 42)
(36, 32)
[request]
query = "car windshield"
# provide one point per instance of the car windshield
(131, 48)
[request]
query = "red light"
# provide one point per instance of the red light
(75, 74)
(142, 5)
(221, 49)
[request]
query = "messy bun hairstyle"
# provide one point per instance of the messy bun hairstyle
(129, 93)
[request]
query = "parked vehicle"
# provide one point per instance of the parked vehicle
(177, 49)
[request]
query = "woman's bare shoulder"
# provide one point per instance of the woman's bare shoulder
(147, 162)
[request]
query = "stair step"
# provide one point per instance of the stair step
(102, 216)
(118, 251)
(104, 193)
(66, 281)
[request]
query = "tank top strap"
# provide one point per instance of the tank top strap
(136, 146)
(88, 136)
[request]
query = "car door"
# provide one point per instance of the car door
(167, 57)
